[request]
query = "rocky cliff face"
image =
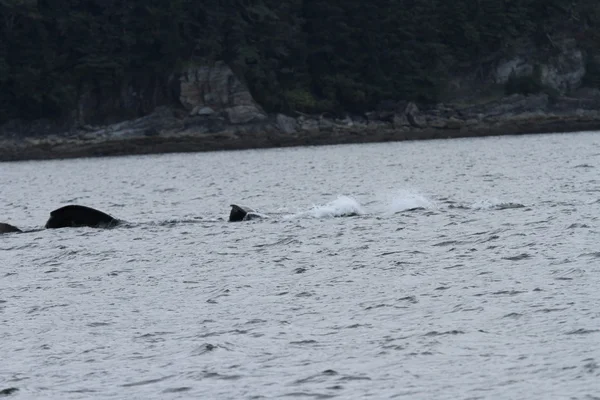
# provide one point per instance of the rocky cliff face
(561, 67)
(209, 90)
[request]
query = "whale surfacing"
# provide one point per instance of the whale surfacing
(238, 213)
(79, 216)
(8, 228)
(241, 213)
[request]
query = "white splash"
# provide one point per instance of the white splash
(404, 200)
(343, 206)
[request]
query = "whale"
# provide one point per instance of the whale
(243, 213)
(8, 228)
(80, 216)
(238, 213)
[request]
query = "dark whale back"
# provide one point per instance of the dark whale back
(238, 213)
(77, 216)
(8, 228)
(241, 213)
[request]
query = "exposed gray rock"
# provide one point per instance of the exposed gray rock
(286, 124)
(561, 69)
(326, 124)
(244, 114)
(400, 121)
(568, 104)
(162, 119)
(308, 124)
(411, 112)
(561, 65)
(346, 121)
(565, 71)
(199, 125)
(514, 104)
(202, 111)
(218, 88)
(454, 123)
(411, 108)
(519, 66)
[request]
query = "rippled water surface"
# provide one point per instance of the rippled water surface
(469, 269)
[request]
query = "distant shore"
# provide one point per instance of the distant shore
(165, 132)
(47, 150)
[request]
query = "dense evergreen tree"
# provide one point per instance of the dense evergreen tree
(305, 55)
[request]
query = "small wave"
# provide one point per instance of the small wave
(513, 315)
(452, 332)
(302, 342)
(508, 292)
(177, 389)
(577, 225)
(459, 206)
(495, 205)
(169, 223)
(147, 381)
(308, 394)
(178, 221)
(595, 254)
(285, 241)
(582, 331)
(518, 257)
(448, 243)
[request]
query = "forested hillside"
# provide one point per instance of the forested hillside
(305, 55)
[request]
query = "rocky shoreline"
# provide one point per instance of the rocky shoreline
(206, 107)
(170, 130)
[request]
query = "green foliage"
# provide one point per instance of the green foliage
(301, 100)
(305, 55)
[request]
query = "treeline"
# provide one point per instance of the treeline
(306, 55)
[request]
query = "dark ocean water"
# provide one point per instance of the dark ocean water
(469, 269)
